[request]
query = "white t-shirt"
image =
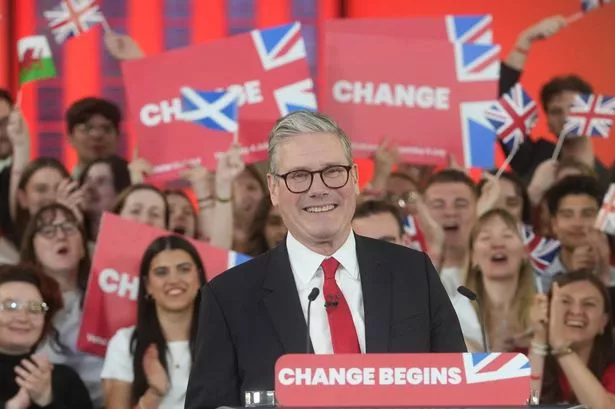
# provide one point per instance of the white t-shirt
(118, 366)
(451, 279)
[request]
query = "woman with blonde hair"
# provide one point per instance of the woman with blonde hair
(500, 273)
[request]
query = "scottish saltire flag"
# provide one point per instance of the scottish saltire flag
(277, 47)
(606, 217)
(590, 115)
(470, 29)
(542, 251)
(513, 116)
(217, 110)
(35, 59)
(589, 5)
(494, 366)
(72, 18)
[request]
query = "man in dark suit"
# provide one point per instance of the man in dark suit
(374, 296)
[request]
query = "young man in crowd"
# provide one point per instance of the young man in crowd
(556, 96)
(451, 199)
(379, 220)
(93, 126)
(573, 204)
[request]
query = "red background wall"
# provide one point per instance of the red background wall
(587, 47)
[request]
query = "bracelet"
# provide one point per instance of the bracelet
(536, 345)
(561, 351)
(535, 377)
(223, 200)
(539, 352)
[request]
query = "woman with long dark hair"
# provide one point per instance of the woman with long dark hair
(54, 241)
(571, 353)
(149, 364)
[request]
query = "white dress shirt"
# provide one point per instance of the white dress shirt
(308, 274)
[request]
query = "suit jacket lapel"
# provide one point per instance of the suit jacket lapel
(376, 286)
(282, 301)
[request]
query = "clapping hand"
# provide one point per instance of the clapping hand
(155, 374)
(34, 376)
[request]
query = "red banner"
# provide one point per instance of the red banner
(110, 299)
(428, 96)
(266, 69)
(402, 380)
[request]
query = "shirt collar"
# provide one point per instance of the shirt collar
(305, 262)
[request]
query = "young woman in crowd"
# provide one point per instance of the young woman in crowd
(54, 240)
(29, 301)
(43, 181)
(500, 274)
(572, 354)
(183, 218)
(144, 204)
(268, 229)
(148, 365)
(248, 191)
(102, 180)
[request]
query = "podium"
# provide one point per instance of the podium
(468, 380)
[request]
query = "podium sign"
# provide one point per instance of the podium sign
(397, 380)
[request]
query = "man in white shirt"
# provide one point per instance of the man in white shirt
(374, 296)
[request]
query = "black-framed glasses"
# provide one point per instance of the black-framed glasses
(50, 231)
(31, 307)
(300, 181)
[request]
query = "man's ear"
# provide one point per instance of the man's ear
(273, 189)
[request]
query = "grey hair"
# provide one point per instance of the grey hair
(301, 122)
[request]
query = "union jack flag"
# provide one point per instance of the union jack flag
(477, 62)
(215, 110)
(513, 116)
(588, 5)
(606, 218)
(590, 115)
(413, 236)
(478, 135)
(542, 251)
(495, 366)
(72, 18)
(278, 46)
(470, 29)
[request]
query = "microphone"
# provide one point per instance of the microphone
(471, 295)
(311, 297)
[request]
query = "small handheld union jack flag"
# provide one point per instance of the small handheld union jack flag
(606, 218)
(589, 5)
(513, 116)
(542, 251)
(72, 18)
(590, 115)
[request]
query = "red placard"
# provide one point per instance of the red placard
(389, 380)
(111, 295)
(267, 69)
(428, 96)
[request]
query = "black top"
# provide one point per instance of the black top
(533, 152)
(69, 392)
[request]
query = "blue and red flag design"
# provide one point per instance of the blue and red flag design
(590, 115)
(542, 251)
(72, 18)
(589, 5)
(470, 29)
(513, 116)
(489, 367)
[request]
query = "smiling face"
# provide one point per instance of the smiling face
(173, 281)
(582, 311)
(319, 217)
(453, 206)
(58, 244)
(497, 249)
(20, 330)
(575, 217)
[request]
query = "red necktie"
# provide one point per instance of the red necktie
(343, 332)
